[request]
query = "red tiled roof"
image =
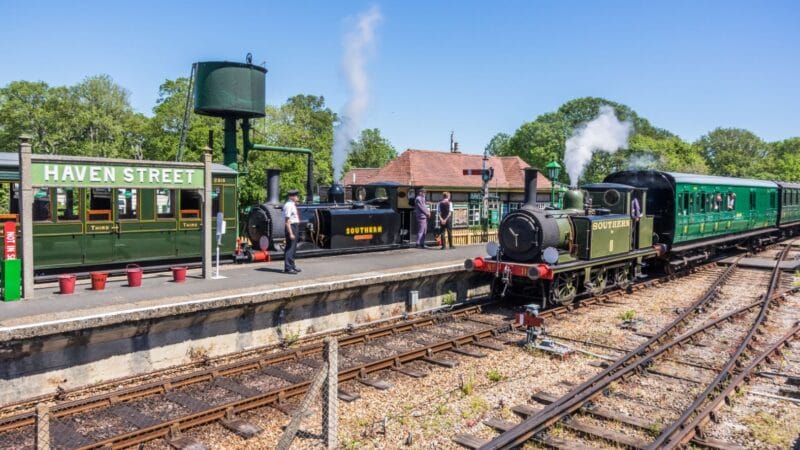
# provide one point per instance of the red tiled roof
(360, 175)
(445, 169)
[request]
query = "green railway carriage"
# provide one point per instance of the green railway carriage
(86, 226)
(789, 214)
(690, 208)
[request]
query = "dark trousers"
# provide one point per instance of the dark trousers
(291, 248)
(447, 228)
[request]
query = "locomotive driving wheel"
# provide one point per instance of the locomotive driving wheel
(622, 277)
(564, 289)
(599, 282)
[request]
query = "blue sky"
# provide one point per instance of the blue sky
(474, 67)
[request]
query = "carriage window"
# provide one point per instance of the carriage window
(41, 205)
(690, 209)
(717, 202)
(100, 205)
(772, 196)
(190, 204)
(752, 200)
(685, 202)
(67, 204)
(165, 203)
(731, 200)
(127, 203)
(702, 205)
(216, 199)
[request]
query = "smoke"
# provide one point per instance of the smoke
(603, 133)
(359, 44)
(643, 161)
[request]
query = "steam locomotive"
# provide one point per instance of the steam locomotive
(378, 218)
(595, 243)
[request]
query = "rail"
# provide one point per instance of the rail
(641, 358)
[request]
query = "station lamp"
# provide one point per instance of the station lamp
(553, 170)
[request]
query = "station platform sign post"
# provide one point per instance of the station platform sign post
(12, 267)
(220, 232)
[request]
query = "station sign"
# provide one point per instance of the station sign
(63, 174)
(9, 240)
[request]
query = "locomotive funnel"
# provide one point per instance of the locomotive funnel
(531, 176)
(273, 186)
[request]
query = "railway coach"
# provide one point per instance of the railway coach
(100, 212)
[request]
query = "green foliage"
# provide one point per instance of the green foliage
(449, 298)
(494, 375)
(734, 152)
(303, 121)
(628, 315)
(467, 385)
(498, 145)
(370, 150)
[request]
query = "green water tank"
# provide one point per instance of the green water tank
(229, 89)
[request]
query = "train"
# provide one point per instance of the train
(378, 218)
(594, 242)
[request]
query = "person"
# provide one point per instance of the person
(422, 214)
(731, 201)
(292, 231)
(444, 211)
(636, 214)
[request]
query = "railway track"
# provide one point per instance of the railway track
(160, 409)
(721, 335)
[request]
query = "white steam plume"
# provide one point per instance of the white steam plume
(603, 133)
(643, 161)
(359, 44)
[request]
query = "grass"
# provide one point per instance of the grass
(767, 429)
(628, 315)
(467, 385)
(290, 337)
(476, 406)
(449, 298)
(494, 375)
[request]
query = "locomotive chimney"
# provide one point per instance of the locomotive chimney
(336, 193)
(531, 175)
(273, 186)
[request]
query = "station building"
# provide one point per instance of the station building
(442, 171)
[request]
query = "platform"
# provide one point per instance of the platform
(763, 263)
(92, 336)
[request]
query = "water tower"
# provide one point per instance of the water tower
(232, 91)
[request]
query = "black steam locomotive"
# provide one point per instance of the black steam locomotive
(379, 217)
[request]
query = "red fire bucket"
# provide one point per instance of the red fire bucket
(134, 273)
(66, 283)
(99, 280)
(178, 274)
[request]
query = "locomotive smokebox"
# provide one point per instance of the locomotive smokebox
(336, 193)
(273, 185)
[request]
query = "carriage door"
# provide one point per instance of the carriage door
(101, 228)
(682, 218)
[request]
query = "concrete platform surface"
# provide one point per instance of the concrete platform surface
(159, 296)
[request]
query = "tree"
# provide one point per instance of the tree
(164, 128)
(785, 161)
(370, 150)
(734, 152)
(498, 145)
(45, 113)
(303, 121)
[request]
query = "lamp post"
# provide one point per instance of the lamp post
(553, 170)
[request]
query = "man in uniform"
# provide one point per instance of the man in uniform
(444, 211)
(422, 214)
(292, 231)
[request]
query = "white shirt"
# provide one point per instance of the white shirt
(290, 212)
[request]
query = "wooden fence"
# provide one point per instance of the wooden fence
(466, 236)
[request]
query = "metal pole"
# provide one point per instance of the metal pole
(26, 215)
(330, 392)
(207, 237)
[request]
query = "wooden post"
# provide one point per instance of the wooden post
(42, 426)
(26, 215)
(207, 216)
(311, 395)
(330, 393)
